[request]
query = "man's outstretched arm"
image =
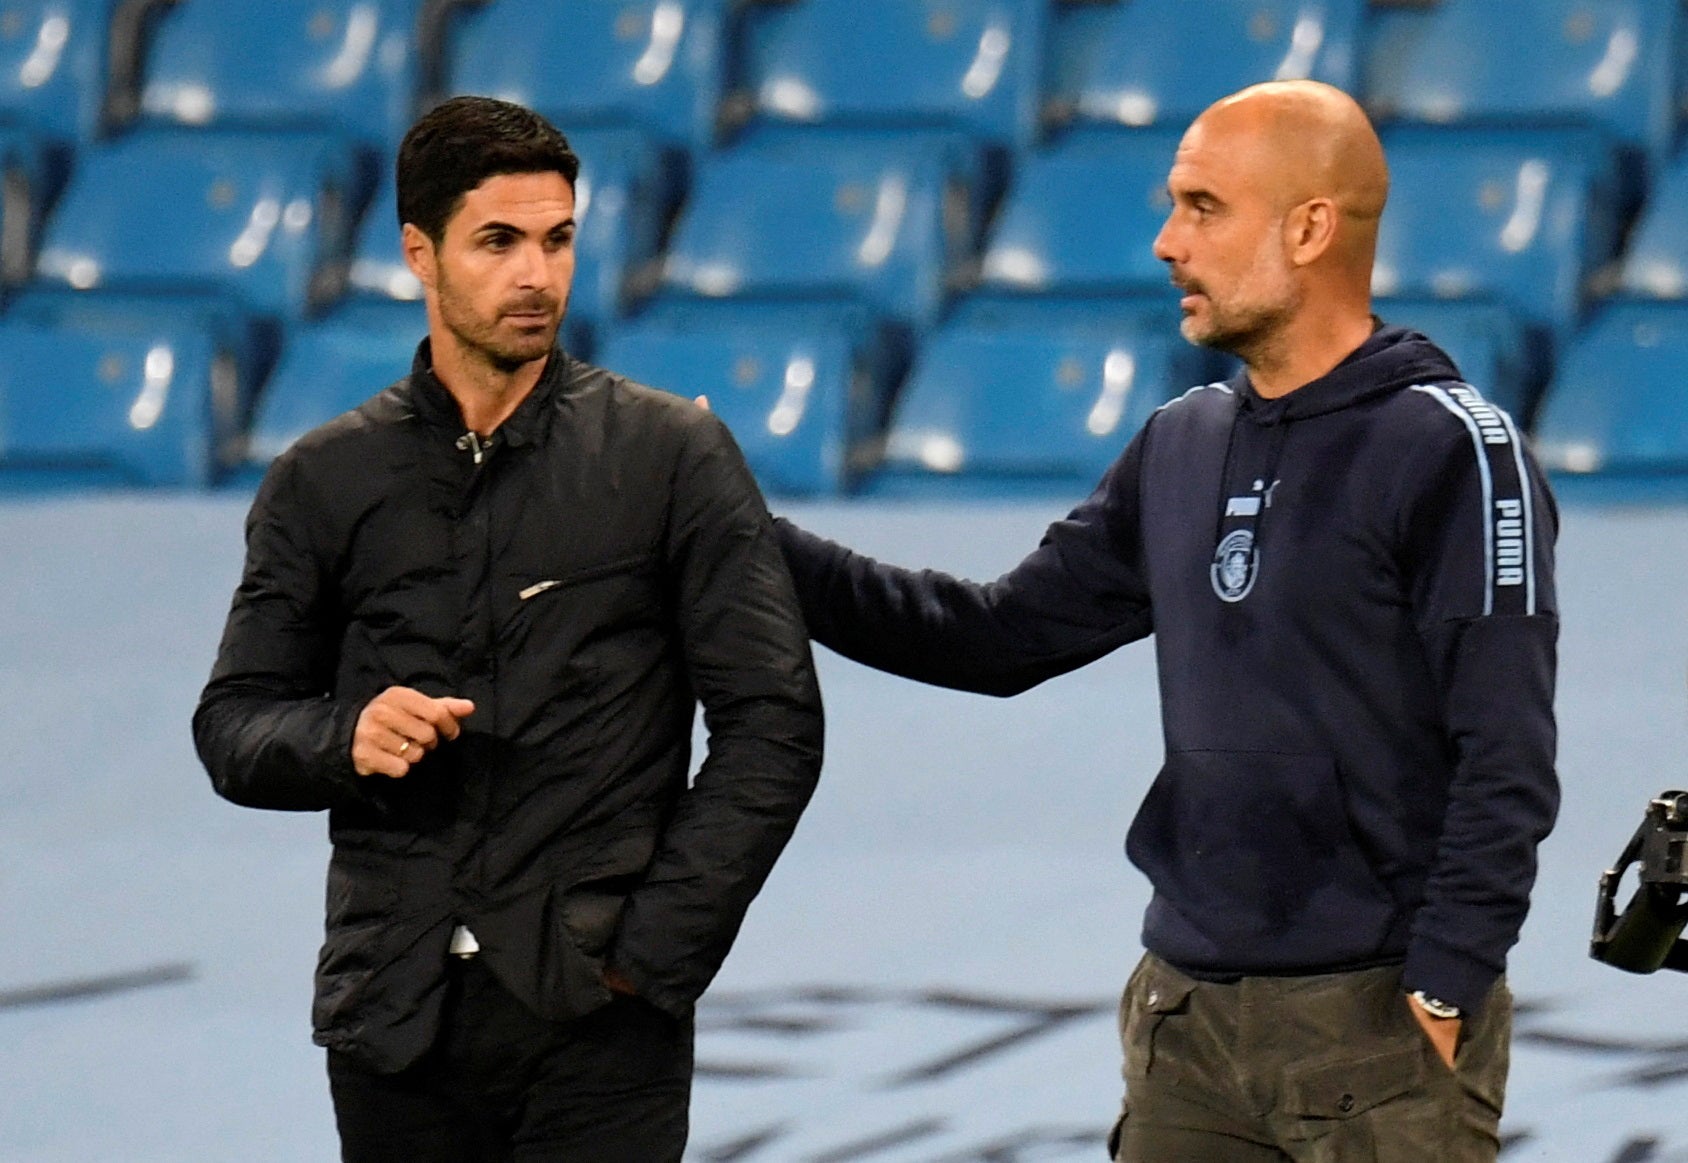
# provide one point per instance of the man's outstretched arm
(1078, 596)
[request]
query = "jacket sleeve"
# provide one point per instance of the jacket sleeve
(748, 660)
(266, 729)
(1479, 526)
(1078, 596)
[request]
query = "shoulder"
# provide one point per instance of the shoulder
(1201, 400)
(1451, 416)
(638, 411)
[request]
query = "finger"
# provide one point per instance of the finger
(451, 713)
(370, 760)
(401, 726)
(702, 402)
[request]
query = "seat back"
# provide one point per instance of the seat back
(111, 408)
(1616, 405)
(972, 65)
(1082, 217)
(824, 218)
(345, 65)
(654, 65)
(261, 216)
(1520, 217)
(1610, 63)
(1161, 62)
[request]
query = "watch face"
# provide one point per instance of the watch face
(1435, 1007)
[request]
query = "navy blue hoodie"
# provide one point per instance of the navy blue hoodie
(1351, 593)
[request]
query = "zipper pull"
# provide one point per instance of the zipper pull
(471, 442)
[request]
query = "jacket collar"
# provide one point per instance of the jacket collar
(1392, 359)
(436, 406)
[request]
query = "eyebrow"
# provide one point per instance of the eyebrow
(496, 227)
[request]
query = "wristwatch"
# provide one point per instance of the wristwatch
(1435, 1006)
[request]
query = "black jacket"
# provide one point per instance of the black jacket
(602, 564)
(1351, 592)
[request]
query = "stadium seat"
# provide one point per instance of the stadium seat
(802, 390)
(343, 65)
(880, 221)
(970, 65)
(622, 200)
(996, 406)
(1523, 218)
(1161, 62)
(1546, 62)
(54, 58)
(1485, 342)
(1616, 404)
(82, 406)
(655, 65)
(1656, 262)
(329, 367)
(261, 216)
(1082, 218)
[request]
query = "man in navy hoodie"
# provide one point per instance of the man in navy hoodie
(1346, 558)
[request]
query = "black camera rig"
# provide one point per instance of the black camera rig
(1647, 935)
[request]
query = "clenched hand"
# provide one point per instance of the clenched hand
(399, 726)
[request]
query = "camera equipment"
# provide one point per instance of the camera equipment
(1646, 936)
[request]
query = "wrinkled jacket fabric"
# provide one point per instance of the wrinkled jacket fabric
(598, 566)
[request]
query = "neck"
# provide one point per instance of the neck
(1307, 348)
(486, 393)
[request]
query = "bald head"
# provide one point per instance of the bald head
(1300, 140)
(1277, 192)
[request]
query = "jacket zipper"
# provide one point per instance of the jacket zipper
(471, 442)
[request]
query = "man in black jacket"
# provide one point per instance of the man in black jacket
(476, 617)
(1346, 558)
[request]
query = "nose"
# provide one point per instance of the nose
(1165, 249)
(534, 272)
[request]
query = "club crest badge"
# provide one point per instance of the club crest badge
(1235, 566)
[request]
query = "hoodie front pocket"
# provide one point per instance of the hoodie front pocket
(1255, 850)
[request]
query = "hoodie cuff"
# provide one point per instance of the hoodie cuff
(1448, 975)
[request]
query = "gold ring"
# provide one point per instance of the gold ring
(405, 746)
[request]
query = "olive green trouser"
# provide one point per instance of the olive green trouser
(1326, 1069)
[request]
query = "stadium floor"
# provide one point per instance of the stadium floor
(930, 975)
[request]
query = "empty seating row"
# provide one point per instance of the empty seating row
(684, 71)
(999, 399)
(1518, 229)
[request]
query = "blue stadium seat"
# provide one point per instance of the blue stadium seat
(53, 65)
(803, 391)
(880, 221)
(1018, 402)
(1523, 218)
(1616, 405)
(1656, 262)
(331, 366)
(971, 65)
(1545, 62)
(1161, 62)
(1082, 218)
(1485, 342)
(622, 200)
(657, 65)
(91, 406)
(262, 216)
(345, 65)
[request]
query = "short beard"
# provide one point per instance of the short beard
(480, 337)
(1248, 334)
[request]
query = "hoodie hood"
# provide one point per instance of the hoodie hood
(1392, 359)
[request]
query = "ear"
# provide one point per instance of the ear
(419, 254)
(1309, 230)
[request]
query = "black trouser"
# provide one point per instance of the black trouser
(504, 1086)
(1325, 1069)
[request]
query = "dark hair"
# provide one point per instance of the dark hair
(460, 143)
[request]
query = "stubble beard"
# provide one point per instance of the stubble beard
(481, 338)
